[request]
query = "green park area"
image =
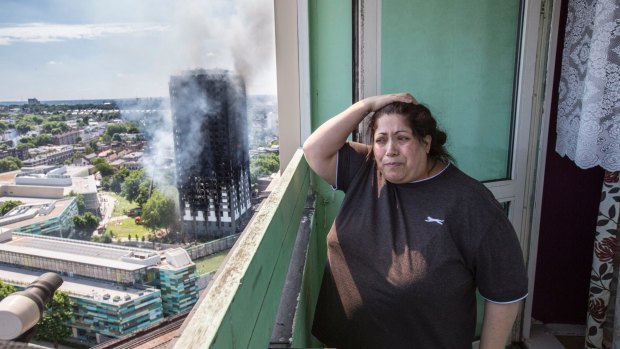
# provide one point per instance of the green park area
(121, 206)
(211, 263)
(124, 227)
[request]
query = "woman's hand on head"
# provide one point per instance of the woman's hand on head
(321, 148)
(375, 103)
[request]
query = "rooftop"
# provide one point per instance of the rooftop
(34, 212)
(78, 287)
(8, 177)
(103, 255)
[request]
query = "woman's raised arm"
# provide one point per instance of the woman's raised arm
(321, 148)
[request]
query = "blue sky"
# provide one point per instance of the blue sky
(85, 49)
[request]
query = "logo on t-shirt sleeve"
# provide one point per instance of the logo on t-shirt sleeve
(430, 219)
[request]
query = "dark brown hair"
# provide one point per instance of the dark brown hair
(421, 122)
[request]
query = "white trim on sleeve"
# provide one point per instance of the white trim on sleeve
(509, 302)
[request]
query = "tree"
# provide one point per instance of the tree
(133, 188)
(264, 164)
(103, 167)
(79, 201)
(53, 325)
(123, 127)
(47, 127)
(133, 129)
(25, 146)
(37, 119)
(5, 290)
(91, 221)
(55, 127)
(144, 192)
(22, 127)
(159, 212)
(10, 163)
(26, 139)
(6, 206)
(43, 139)
(98, 160)
(105, 238)
(86, 222)
(93, 145)
(116, 181)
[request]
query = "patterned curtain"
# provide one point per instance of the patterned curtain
(588, 132)
(603, 323)
(588, 128)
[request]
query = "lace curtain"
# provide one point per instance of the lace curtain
(588, 128)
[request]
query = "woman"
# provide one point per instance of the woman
(414, 239)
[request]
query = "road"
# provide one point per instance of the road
(106, 205)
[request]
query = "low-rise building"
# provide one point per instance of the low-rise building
(116, 289)
(69, 137)
(49, 155)
(90, 157)
(133, 156)
(132, 165)
(177, 280)
(117, 163)
(101, 309)
(52, 217)
(14, 152)
(73, 179)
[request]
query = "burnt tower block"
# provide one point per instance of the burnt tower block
(211, 152)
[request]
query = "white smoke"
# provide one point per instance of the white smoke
(158, 160)
(234, 35)
(155, 123)
(253, 41)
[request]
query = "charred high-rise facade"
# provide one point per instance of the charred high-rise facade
(211, 152)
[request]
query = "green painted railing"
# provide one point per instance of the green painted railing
(239, 307)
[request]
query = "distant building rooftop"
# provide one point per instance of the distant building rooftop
(8, 177)
(82, 185)
(34, 212)
(81, 287)
(80, 251)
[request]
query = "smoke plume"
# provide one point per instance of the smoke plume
(234, 35)
(216, 34)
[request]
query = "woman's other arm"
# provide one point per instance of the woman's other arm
(497, 324)
(321, 148)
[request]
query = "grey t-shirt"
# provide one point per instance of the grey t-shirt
(404, 260)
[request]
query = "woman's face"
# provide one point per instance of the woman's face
(400, 156)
